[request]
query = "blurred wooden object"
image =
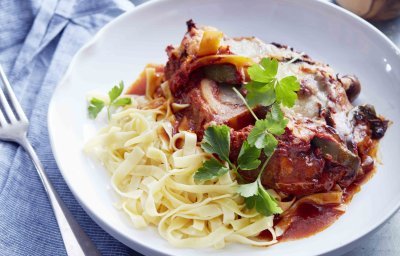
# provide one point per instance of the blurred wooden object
(372, 9)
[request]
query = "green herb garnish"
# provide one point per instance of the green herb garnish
(256, 196)
(267, 90)
(216, 141)
(96, 105)
(286, 90)
(262, 138)
(211, 168)
(248, 157)
(262, 135)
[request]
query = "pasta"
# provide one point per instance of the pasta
(152, 172)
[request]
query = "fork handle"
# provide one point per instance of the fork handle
(76, 242)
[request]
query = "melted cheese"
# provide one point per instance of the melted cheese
(324, 92)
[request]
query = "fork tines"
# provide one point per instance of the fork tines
(10, 109)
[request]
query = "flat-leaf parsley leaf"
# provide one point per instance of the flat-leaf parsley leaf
(286, 91)
(260, 94)
(217, 141)
(96, 105)
(256, 196)
(211, 168)
(264, 72)
(248, 190)
(116, 91)
(248, 157)
(275, 120)
(265, 88)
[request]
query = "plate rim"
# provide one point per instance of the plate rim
(145, 248)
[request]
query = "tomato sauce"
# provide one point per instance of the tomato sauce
(310, 219)
(139, 86)
(355, 187)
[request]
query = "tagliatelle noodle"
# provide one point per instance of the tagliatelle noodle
(152, 172)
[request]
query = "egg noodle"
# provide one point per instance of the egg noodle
(152, 171)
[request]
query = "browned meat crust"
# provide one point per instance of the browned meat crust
(301, 164)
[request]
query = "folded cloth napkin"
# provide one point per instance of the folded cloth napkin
(37, 41)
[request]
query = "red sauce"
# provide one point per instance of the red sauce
(139, 86)
(355, 187)
(265, 235)
(310, 219)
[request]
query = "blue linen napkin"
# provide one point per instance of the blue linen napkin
(37, 41)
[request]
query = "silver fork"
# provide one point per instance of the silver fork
(13, 127)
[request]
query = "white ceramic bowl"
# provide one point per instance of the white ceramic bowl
(327, 33)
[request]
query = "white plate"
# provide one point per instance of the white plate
(326, 32)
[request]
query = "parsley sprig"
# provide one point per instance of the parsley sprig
(257, 196)
(262, 138)
(96, 105)
(264, 89)
(262, 134)
(217, 141)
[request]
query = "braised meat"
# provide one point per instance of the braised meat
(301, 168)
(327, 141)
(211, 103)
